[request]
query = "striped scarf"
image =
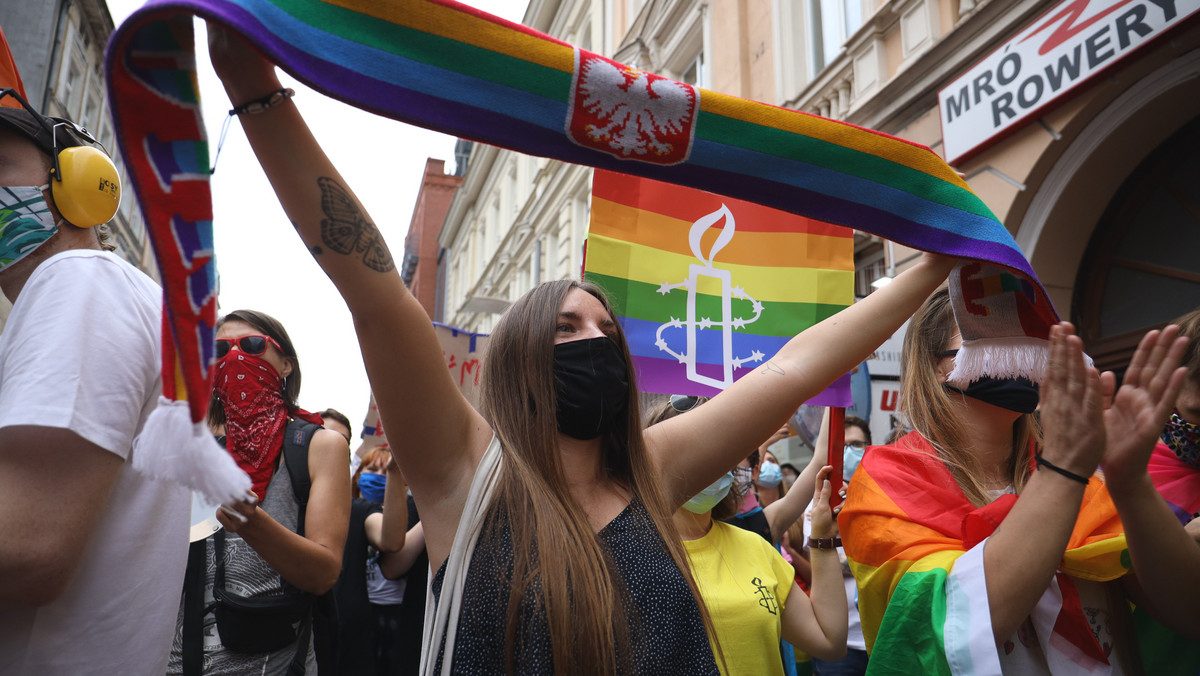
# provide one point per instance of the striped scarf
(454, 69)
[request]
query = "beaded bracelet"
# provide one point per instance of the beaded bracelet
(259, 105)
(824, 543)
(1042, 462)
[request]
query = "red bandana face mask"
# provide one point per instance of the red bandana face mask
(256, 416)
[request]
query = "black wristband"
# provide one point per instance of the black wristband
(260, 104)
(1042, 462)
(824, 543)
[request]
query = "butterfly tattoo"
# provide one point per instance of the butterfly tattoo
(346, 230)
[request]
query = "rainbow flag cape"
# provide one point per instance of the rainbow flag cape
(451, 68)
(915, 545)
(708, 287)
(1177, 481)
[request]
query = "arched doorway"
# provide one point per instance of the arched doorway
(1122, 144)
(1142, 265)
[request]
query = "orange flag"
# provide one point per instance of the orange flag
(9, 76)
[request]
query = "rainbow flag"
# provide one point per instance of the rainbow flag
(1176, 480)
(448, 67)
(708, 287)
(915, 545)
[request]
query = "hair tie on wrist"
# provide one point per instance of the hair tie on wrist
(824, 543)
(1042, 462)
(250, 108)
(258, 105)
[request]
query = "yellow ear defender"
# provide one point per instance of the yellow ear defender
(85, 186)
(84, 181)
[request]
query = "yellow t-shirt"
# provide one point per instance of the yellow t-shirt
(745, 584)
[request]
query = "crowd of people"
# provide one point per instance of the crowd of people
(562, 528)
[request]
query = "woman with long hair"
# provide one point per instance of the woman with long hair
(982, 542)
(548, 512)
(749, 589)
(263, 570)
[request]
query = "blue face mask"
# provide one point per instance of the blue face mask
(769, 475)
(851, 456)
(708, 498)
(371, 486)
(25, 222)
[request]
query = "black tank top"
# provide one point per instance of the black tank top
(665, 627)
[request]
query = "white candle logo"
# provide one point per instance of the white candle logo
(726, 321)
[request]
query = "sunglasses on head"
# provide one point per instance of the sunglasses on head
(684, 402)
(253, 345)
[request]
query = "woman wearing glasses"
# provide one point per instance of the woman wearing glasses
(274, 556)
(986, 542)
(547, 513)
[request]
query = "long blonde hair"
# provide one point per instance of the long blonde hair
(587, 608)
(930, 410)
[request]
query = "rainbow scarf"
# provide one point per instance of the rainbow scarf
(448, 67)
(707, 287)
(915, 546)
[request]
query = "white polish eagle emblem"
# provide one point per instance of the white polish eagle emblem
(630, 113)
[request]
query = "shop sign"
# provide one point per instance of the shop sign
(1067, 46)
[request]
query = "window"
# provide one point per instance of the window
(1140, 269)
(694, 74)
(93, 109)
(869, 265)
(830, 24)
(510, 191)
(584, 37)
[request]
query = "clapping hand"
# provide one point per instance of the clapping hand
(1072, 409)
(1137, 412)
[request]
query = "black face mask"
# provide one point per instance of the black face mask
(591, 387)
(1015, 394)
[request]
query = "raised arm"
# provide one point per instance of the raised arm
(1165, 558)
(818, 624)
(1021, 556)
(443, 436)
(386, 531)
(397, 564)
(784, 512)
(716, 434)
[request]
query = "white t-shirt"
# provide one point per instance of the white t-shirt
(81, 352)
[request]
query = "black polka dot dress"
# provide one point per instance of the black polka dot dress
(666, 630)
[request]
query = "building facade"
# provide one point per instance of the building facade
(1084, 140)
(520, 220)
(420, 266)
(1087, 150)
(58, 46)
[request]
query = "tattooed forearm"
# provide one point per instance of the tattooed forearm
(346, 230)
(770, 367)
(315, 249)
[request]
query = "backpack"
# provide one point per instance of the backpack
(296, 441)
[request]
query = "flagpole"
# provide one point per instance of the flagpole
(837, 444)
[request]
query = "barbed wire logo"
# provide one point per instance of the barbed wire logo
(726, 322)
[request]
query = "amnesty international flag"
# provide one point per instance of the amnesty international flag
(708, 287)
